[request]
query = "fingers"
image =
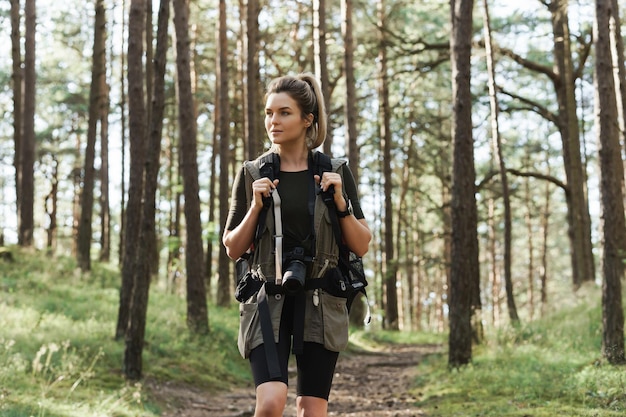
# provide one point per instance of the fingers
(264, 187)
(329, 179)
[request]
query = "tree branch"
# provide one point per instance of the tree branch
(519, 173)
(533, 106)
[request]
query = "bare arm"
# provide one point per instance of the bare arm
(356, 233)
(238, 240)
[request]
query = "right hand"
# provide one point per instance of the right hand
(262, 187)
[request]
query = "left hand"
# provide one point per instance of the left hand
(334, 179)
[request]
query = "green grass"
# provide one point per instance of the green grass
(58, 357)
(551, 367)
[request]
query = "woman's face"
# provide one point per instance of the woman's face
(283, 120)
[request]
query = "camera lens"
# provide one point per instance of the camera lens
(293, 278)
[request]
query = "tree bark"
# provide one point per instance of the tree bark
(122, 110)
(18, 110)
(545, 224)
(51, 205)
(98, 70)
(105, 206)
(253, 80)
(224, 278)
(197, 315)
(213, 237)
(611, 186)
(390, 263)
(129, 325)
(583, 269)
(497, 146)
(320, 58)
(147, 233)
(350, 102)
(617, 44)
(464, 268)
(28, 147)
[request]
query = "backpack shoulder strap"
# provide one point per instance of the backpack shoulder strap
(267, 165)
(324, 163)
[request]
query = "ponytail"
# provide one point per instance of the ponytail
(316, 135)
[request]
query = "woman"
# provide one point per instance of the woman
(295, 121)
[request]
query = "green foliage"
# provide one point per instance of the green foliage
(58, 356)
(546, 368)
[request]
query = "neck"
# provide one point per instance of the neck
(293, 160)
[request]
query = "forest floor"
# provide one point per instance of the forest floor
(366, 384)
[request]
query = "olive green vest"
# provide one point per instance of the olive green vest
(326, 316)
(326, 250)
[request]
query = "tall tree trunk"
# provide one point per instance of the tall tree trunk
(137, 141)
(51, 205)
(122, 234)
(617, 44)
(320, 58)
(545, 224)
(18, 110)
(404, 226)
(495, 137)
(253, 80)
(174, 196)
(390, 264)
(464, 268)
(223, 126)
(350, 102)
(611, 186)
(212, 185)
(98, 70)
(197, 315)
(495, 277)
(105, 206)
(530, 241)
(27, 184)
(357, 312)
(76, 186)
(583, 269)
(143, 266)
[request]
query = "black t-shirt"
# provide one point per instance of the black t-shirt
(293, 189)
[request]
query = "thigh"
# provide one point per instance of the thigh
(258, 364)
(258, 361)
(316, 367)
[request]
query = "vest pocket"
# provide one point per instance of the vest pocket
(335, 317)
(247, 316)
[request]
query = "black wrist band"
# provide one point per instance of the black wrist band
(342, 214)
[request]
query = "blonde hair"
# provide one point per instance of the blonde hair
(305, 90)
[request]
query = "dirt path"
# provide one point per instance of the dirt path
(365, 385)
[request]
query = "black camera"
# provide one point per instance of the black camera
(294, 271)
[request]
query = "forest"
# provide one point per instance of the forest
(487, 139)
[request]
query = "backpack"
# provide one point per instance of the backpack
(351, 266)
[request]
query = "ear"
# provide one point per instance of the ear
(309, 119)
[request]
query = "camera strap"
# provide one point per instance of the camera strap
(271, 355)
(278, 236)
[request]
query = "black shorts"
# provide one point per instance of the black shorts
(316, 364)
